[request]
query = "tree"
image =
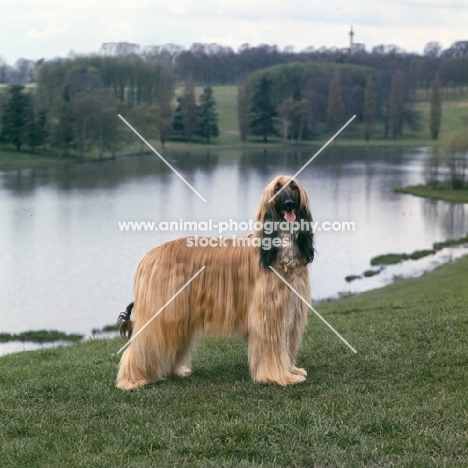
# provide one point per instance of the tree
(85, 118)
(432, 165)
(107, 136)
(296, 117)
(188, 106)
(284, 113)
(111, 130)
(42, 127)
(207, 117)
(335, 107)
(243, 108)
(60, 118)
(36, 126)
(396, 104)
(370, 108)
(456, 150)
(301, 120)
(15, 116)
(382, 84)
(178, 119)
(432, 49)
(145, 120)
(262, 111)
(436, 109)
(163, 100)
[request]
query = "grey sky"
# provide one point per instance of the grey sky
(51, 28)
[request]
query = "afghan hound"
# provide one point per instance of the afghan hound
(236, 294)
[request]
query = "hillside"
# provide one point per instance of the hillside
(401, 401)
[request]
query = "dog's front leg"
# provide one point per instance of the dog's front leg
(271, 327)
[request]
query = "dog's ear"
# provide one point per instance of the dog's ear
(268, 251)
(305, 238)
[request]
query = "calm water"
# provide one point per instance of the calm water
(66, 265)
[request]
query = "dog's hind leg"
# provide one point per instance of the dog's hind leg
(182, 367)
(129, 376)
(147, 359)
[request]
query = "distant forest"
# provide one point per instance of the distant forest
(214, 64)
(71, 104)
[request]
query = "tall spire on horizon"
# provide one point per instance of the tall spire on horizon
(351, 42)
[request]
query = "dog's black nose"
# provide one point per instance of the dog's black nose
(289, 204)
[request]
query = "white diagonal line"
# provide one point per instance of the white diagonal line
(149, 146)
(313, 157)
(313, 310)
(161, 309)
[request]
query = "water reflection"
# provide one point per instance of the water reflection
(66, 265)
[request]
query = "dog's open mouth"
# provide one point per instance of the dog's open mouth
(289, 216)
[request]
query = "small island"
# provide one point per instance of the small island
(441, 191)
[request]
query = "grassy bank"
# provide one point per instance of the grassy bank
(401, 401)
(442, 192)
(381, 261)
(11, 159)
(455, 110)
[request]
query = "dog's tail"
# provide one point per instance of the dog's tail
(124, 324)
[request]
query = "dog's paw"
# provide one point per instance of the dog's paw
(298, 371)
(292, 379)
(128, 384)
(288, 379)
(182, 371)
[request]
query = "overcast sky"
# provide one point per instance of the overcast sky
(36, 29)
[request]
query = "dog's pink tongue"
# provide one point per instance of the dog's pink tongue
(290, 216)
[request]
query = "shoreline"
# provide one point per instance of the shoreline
(438, 194)
(339, 296)
(13, 161)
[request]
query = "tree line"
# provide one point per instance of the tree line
(75, 103)
(214, 64)
(75, 106)
(305, 101)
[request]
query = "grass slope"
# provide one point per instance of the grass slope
(401, 401)
(11, 159)
(441, 192)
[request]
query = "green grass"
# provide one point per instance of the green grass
(402, 401)
(351, 278)
(441, 192)
(11, 159)
(451, 243)
(370, 273)
(417, 254)
(393, 258)
(388, 259)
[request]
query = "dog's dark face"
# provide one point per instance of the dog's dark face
(289, 203)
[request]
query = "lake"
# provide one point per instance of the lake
(66, 265)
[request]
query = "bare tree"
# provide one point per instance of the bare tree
(396, 104)
(432, 49)
(456, 151)
(436, 109)
(370, 108)
(335, 108)
(243, 107)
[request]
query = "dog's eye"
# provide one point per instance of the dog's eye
(277, 187)
(294, 187)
